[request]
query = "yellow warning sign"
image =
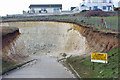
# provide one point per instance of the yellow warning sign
(99, 56)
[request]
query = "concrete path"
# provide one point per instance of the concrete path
(44, 67)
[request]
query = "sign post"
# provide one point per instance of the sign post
(93, 68)
(99, 57)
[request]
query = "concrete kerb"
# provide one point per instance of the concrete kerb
(18, 67)
(74, 71)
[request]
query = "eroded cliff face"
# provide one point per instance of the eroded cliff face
(13, 50)
(99, 41)
(55, 38)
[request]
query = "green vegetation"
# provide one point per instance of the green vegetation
(83, 66)
(64, 54)
(87, 18)
(0, 65)
(7, 65)
(118, 36)
(110, 22)
(116, 8)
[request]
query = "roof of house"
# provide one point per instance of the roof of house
(72, 8)
(45, 5)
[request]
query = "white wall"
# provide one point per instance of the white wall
(98, 3)
(119, 4)
(49, 10)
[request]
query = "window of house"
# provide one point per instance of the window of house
(90, 8)
(104, 7)
(95, 7)
(56, 9)
(109, 8)
(42, 9)
(32, 9)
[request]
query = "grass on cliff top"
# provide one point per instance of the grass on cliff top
(111, 23)
(84, 66)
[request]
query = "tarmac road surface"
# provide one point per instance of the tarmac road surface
(44, 67)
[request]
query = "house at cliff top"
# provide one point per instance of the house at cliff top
(119, 5)
(104, 5)
(45, 8)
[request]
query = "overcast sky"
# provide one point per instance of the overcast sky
(17, 6)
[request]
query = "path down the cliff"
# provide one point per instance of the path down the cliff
(47, 42)
(44, 67)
